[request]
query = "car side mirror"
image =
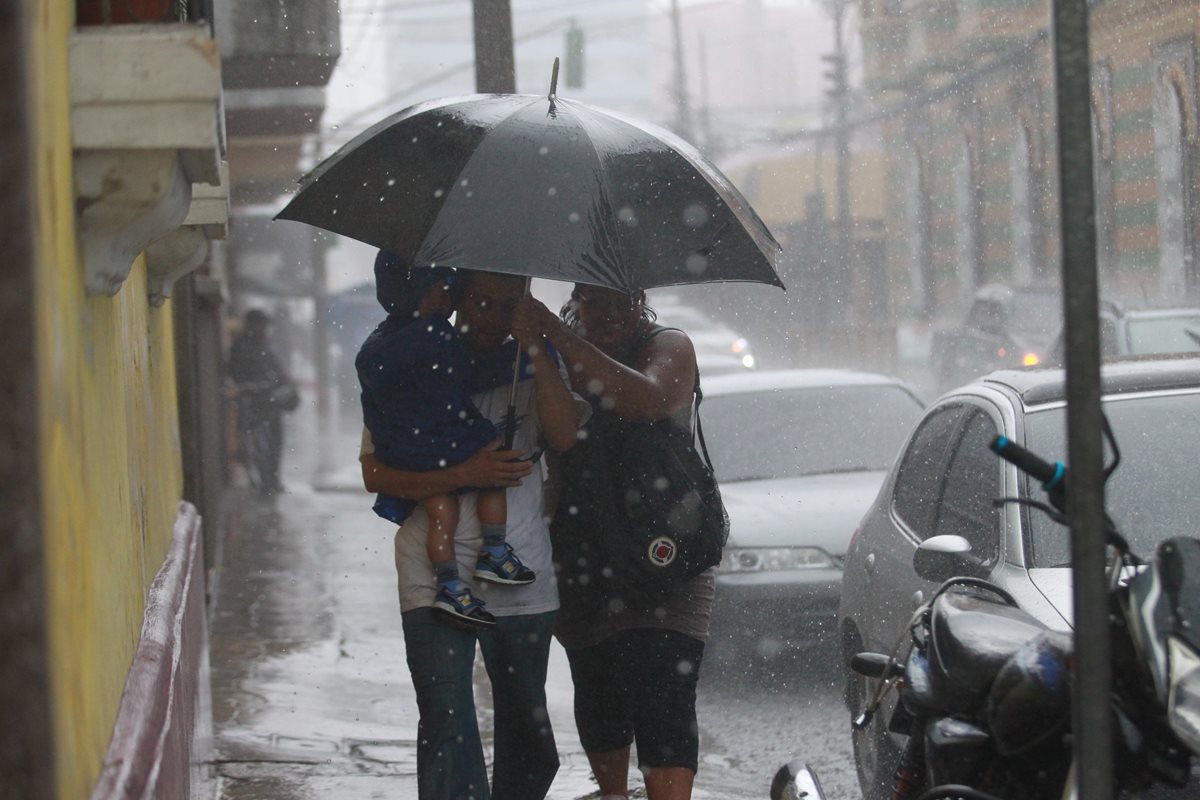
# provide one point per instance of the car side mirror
(794, 781)
(940, 558)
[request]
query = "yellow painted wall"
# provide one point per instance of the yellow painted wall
(778, 185)
(111, 465)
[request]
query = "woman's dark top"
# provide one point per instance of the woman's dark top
(582, 621)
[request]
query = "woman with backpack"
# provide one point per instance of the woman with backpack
(635, 655)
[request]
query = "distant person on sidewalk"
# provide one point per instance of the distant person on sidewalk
(416, 375)
(450, 759)
(264, 394)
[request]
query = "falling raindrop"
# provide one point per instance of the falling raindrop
(627, 216)
(696, 264)
(552, 191)
(543, 150)
(573, 216)
(438, 192)
(695, 215)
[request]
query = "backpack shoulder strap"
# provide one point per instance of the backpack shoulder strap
(697, 429)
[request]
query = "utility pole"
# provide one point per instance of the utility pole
(839, 93)
(683, 114)
(1092, 719)
(574, 63)
(705, 113)
(320, 344)
(495, 67)
(842, 252)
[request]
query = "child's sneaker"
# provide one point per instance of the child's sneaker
(461, 607)
(503, 568)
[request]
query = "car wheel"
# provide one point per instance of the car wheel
(875, 756)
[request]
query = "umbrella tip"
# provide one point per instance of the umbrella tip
(553, 81)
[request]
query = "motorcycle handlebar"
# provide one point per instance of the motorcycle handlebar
(1053, 476)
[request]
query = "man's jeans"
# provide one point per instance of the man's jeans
(450, 762)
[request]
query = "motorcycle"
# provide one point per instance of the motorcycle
(983, 688)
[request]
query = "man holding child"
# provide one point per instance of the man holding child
(515, 648)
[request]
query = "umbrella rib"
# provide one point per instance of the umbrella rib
(468, 162)
(603, 186)
(688, 152)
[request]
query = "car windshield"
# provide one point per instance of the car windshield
(806, 431)
(1155, 492)
(1174, 334)
(1036, 314)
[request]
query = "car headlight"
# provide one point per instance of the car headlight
(772, 559)
(1183, 705)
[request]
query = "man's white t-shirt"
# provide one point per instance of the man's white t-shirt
(528, 532)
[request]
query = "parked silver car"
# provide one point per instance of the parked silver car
(947, 479)
(1125, 332)
(799, 454)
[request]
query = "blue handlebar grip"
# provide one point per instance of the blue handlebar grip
(1060, 469)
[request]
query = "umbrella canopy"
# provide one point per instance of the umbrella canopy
(542, 187)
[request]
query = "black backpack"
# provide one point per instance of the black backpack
(642, 513)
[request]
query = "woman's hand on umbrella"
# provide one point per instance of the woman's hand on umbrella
(492, 467)
(532, 320)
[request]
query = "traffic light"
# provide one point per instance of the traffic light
(835, 74)
(574, 51)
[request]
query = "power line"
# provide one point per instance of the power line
(439, 76)
(389, 8)
(345, 129)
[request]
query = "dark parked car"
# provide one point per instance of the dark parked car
(799, 455)
(1005, 327)
(945, 482)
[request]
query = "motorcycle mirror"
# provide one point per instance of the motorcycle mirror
(940, 558)
(794, 781)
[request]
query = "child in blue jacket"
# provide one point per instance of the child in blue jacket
(417, 376)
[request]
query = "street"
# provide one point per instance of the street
(312, 697)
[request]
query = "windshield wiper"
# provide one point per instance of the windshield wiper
(839, 470)
(747, 478)
(833, 471)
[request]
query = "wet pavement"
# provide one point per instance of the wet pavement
(311, 692)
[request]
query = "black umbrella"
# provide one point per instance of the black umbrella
(541, 187)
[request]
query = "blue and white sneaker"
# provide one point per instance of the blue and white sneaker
(504, 568)
(460, 607)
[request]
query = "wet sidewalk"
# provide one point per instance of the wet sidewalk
(311, 692)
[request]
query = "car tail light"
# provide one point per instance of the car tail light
(1002, 352)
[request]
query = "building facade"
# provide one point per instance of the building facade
(969, 126)
(115, 188)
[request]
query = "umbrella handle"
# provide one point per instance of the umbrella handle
(510, 425)
(553, 82)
